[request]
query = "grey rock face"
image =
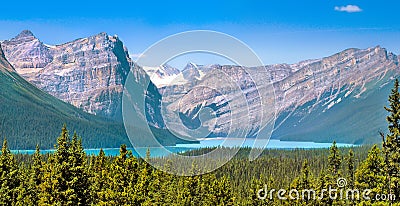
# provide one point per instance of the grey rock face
(89, 73)
(347, 70)
(26, 53)
(312, 86)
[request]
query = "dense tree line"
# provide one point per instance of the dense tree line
(70, 177)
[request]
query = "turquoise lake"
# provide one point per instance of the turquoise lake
(213, 142)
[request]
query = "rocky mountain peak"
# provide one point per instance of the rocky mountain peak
(26, 53)
(25, 33)
(167, 70)
(190, 65)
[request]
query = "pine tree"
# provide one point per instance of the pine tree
(9, 176)
(27, 192)
(99, 179)
(391, 144)
(334, 159)
(61, 171)
(66, 181)
(370, 174)
(142, 186)
(47, 195)
(119, 179)
(257, 184)
(302, 183)
(221, 191)
(350, 169)
(78, 182)
(36, 175)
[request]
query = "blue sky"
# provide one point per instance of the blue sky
(278, 31)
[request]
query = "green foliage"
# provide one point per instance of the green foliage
(10, 177)
(370, 174)
(391, 144)
(66, 181)
(334, 159)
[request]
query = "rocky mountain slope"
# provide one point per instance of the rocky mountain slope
(29, 116)
(337, 97)
(89, 73)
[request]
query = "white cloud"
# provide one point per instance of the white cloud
(348, 8)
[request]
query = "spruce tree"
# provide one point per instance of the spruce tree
(391, 144)
(302, 183)
(334, 159)
(78, 182)
(36, 175)
(350, 169)
(370, 174)
(99, 179)
(119, 179)
(9, 176)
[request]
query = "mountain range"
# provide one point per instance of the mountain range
(340, 97)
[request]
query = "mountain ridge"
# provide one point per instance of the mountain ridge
(312, 88)
(88, 73)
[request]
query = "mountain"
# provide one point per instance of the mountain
(88, 73)
(29, 116)
(340, 97)
(27, 53)
(162, 74)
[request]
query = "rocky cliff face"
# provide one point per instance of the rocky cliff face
(305, 92)
(26, 53)
(347, 70)
(89, 73)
